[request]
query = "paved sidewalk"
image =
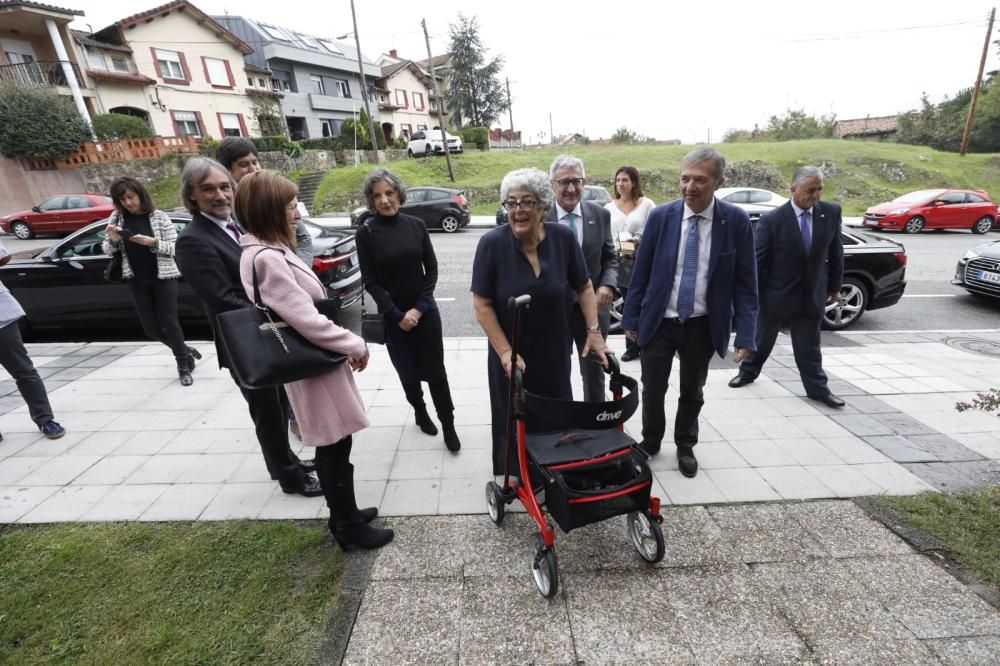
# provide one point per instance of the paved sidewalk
(767, 560)
(142, 447)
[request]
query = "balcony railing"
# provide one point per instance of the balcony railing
(43, 74)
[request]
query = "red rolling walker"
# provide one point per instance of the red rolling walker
(591, 471)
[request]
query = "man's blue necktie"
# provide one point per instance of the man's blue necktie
(806, 228)
(689, 274)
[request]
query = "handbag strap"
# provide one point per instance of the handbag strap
(371, 237)
(257, 301)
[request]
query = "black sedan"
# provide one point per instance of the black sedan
(439, 208)
(978, 272)
(63, 286)
(874, 277)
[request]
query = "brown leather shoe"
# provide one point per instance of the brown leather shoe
(686, 462)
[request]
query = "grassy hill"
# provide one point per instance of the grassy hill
(859, 174)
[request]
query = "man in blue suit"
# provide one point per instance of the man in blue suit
(800, 265)
(694, 275)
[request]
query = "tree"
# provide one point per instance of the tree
(625, 135)
(476, 97)
(39, 123)
(349, 127)
(267, 113)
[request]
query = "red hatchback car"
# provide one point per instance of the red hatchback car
(935, 209)
(60, 214)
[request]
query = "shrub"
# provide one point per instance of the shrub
(267, 144)
(325, 143)
(39, 123)
(113, 126)
(478, 136)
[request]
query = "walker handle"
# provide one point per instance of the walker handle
(516, 302)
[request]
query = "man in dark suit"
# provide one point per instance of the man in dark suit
(208, 255)
(694, 275)
(800, 265)
(592, 225)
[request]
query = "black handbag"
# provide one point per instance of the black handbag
(265, 351)
(372, 323)
(113, 271)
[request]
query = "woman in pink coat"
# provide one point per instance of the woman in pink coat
(329, 406)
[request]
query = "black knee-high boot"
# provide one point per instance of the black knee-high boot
(328, 460)
(415, 396)
(441, 395)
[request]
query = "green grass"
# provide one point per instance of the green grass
(166, 192)
(968, 522)
(859, 173)
(218, 593)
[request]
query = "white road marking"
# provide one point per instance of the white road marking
(931, 295)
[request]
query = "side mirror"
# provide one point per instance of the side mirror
(36, 209)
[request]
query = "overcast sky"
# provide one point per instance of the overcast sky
(668, 70)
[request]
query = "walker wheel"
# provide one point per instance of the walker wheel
(647, 536)
(545, 569)
(494, 502)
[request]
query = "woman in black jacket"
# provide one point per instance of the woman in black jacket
(399, 270)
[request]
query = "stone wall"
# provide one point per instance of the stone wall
(98, 177)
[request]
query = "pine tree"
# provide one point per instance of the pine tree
(476, 95)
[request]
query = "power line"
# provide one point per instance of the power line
(967, 25)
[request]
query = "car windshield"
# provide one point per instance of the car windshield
(917, 197)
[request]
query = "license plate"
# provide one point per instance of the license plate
(871, 223)
(986, 276)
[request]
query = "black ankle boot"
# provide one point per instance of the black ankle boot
(359, 534)
(348, 522)
(368, 515)
(184, 373)
(450, 436)
(423, 420)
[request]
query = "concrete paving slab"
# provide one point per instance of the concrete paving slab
(67, 504)
(973, 651)
(15, 501)
(765, 533)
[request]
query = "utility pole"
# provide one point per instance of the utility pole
(510, 113)
(975, 89)
(364, 86)
(552, 137)
(437, 92)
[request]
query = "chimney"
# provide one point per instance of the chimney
(393, 54)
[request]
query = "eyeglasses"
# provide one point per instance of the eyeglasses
(566, 182)
(524, 204)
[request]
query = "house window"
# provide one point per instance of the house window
(216, 72)
(331, 127)
(401, 98)
(119, 64)
(250, 81)
(274, 32)
(421, 128)
(260, 83)
(168, 63)
(187, 123)
(418, 101)
(230, 124)
(281, 81)
(317, 85)
(343, 88)
(95, 60)
(406, 130)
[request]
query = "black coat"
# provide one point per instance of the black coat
(788, 280)
(209, 260)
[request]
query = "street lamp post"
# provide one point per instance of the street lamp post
(361, 73)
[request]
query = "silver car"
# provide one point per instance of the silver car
(754, 201)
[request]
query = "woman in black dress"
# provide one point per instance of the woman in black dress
(145, 237)
(399, 270)
(529, 256)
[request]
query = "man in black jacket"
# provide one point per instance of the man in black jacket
(208, 255)
(800, 266)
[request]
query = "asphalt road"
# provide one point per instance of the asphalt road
(930, 301)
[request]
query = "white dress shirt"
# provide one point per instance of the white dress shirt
(578, 210)
(704, 253)
(222, 225)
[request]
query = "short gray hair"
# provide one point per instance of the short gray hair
(566, 162)
(368, 188)
(530, 179)
(804, 172)
(704, 154)
(196, 170)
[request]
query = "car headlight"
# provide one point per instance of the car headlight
(970, 254)
(899, 211)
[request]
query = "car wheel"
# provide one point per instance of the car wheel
(914, 225)
(22, 230)
(617, 310)
(450, 223)
(409, 153)
(982, 225)
(848, 307)
(427, 150)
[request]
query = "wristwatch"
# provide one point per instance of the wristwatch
(594, 328)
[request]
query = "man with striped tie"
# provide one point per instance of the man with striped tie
(800, 265)
(694, 276)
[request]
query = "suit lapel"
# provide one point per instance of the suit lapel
(673, 244)
(718, 234)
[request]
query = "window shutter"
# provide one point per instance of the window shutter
(156, 63)
(197, 114)
(204, 67)
(184, 66)
(229, 71)
(243, 125)
(177, 125)
(222, 128)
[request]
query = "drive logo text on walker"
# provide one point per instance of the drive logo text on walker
(609, 416)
